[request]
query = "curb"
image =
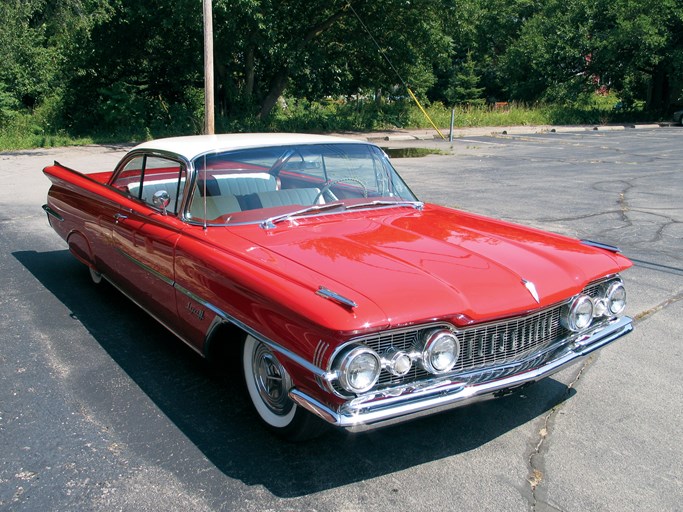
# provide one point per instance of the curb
(426, 135)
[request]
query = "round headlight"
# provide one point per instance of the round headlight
(600, 308)
(397, 362)
(441, 351)
(359, 370)
(616, 298)
(579, 314)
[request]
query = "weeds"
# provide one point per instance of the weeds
(41, 127)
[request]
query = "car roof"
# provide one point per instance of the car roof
(192, 146)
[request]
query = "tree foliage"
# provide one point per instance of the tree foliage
(125, 64)
(463, 86)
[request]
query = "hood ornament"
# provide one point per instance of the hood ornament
(532, 290)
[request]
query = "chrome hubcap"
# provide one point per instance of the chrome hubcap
(272, 381)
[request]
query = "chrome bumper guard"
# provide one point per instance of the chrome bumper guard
(396, 405)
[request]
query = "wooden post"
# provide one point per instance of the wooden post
(209, 121)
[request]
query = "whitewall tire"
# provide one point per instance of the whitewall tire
(268, 385)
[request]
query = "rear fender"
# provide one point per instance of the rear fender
(80, 248)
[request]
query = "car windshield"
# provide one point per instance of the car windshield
(261, 184)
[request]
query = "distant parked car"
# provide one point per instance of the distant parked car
(341, 295)
(678, 117)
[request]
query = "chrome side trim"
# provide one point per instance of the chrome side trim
(147, 268)
(600, 245)
(52, 213)
(132, 299)
(442, 394)
(318, 372)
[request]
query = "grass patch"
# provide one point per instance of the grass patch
(412, 152)
(37, 129)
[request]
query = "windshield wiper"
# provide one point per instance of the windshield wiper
(418, 205)
(270, 222)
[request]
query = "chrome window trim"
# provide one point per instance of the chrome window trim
(193, 176)
(185, 164)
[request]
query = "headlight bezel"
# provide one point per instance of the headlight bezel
(602, 302)
(397, 362)
(613, 289)
(433, 341)
(344, 369)
(576, 318)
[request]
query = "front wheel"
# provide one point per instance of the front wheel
(268, 384)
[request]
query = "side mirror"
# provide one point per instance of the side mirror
(161, 200)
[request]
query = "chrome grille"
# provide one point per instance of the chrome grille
(486, 348)
(481, 346)
(509, 341)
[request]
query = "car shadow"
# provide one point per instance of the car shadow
(206, 408)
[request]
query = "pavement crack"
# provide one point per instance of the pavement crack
(535, 461)
(644, 315)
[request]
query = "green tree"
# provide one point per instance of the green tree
(570, 47)
(35, 36)
(140, 67)
(637, 48)
(464, 84)
(321, 49)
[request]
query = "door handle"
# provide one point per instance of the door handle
(119, 216)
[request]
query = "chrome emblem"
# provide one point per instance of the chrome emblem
(532, 290)
(199, 313)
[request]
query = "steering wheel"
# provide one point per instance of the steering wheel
(331, 183)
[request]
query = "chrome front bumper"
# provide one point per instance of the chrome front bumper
(408, 402)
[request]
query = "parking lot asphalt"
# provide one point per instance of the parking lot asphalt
(102, 409)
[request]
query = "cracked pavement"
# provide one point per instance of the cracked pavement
(622, 188)
(101, 409)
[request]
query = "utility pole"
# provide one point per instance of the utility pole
(209, 122)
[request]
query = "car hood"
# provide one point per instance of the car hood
(413, 266)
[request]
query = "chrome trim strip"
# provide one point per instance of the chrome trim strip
(147, 268)
(52, 213)
(319, 372)
(443, 394)
(278, 348)
(132, 299)
(600, 245)
(335, 297)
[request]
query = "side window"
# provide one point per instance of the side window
(144, 176)
(129, 178)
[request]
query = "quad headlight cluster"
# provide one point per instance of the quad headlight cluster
(358, 367)
(609, 302)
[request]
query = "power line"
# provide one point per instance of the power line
(386, 57)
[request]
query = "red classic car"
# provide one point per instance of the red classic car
(346, 299)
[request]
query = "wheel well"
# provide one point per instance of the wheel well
(224, 346)
(80, 248)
